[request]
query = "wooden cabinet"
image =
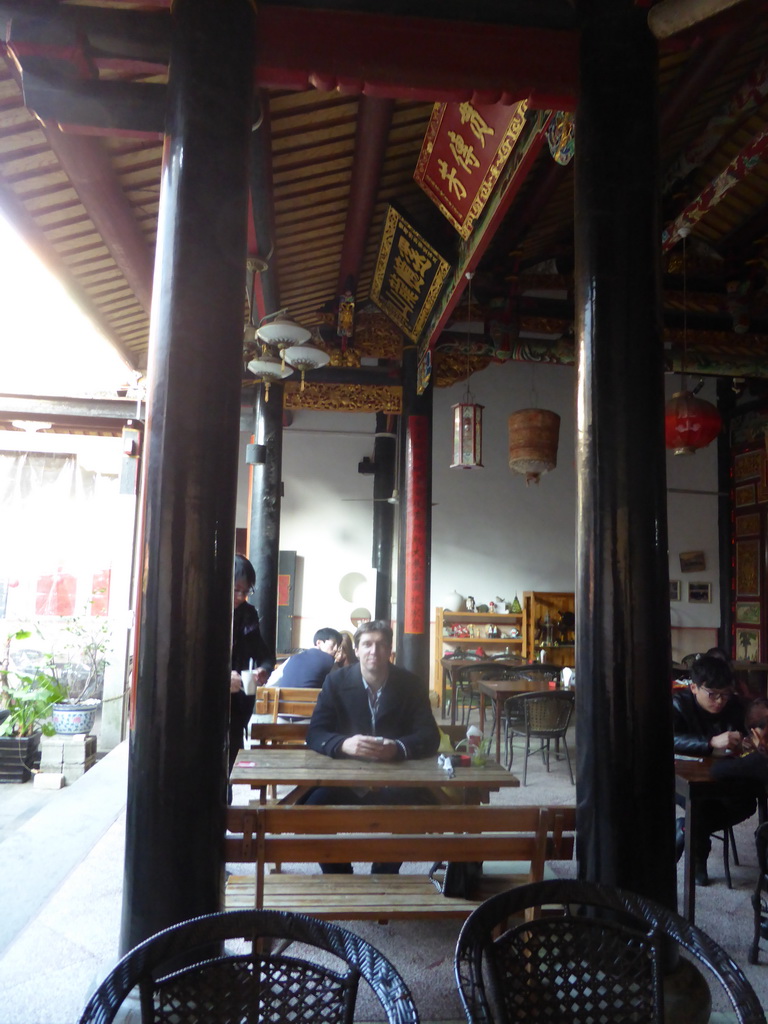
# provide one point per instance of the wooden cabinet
(548, 623)
(468, 631)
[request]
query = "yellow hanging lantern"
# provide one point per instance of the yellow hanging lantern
(533, 438)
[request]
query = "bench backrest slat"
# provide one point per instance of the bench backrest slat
(303, 849)
(286, 700)
(337, 834)
(279, 734)
(415, 818)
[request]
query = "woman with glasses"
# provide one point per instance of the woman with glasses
(248, 649)
(708, 720)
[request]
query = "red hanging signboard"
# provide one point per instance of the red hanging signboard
(462, 155)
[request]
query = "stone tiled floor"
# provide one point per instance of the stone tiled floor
(61, 862)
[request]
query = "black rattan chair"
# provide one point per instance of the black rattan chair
(603, 966)
(542, 716)
(244, 986)
(760, 895)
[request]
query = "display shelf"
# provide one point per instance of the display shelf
(543, 610)
(477, 623)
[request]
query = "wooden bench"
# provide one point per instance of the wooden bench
(278, 734)
(277, 701)
(302, 835)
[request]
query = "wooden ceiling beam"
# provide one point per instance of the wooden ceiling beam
(88, 168)
(374, 119)
(422, 59)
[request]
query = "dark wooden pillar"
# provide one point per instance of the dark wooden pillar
(726, 403)
(414, 562)
(266, 494)
(384, 450)
(178, 744)
(625, 791)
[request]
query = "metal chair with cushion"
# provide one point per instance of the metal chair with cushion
(542, 716)
(596, 954)
(184, 976)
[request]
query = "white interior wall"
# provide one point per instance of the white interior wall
(493, 536)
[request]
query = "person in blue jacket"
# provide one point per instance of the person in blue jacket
(309, 668)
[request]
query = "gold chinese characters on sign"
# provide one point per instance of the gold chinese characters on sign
(409, 275)
(463, 153)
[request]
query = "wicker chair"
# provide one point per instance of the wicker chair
(542, 716)
(183, 975)
(568, 966)
(760, 895)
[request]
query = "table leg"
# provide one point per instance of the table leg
(497, 710)
(689, 874)
(482, 710)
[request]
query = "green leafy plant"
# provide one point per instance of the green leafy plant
(79, 657)
(26, 697)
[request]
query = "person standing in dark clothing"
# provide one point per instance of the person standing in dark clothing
(708, 721)
(249, 651)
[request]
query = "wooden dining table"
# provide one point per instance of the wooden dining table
(497, 690)
(694, 783)
(304, 769)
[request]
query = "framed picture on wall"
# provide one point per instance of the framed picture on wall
(700, 593)
(747, 465)
(747, 568)
(747, 526)
(744, 495)
(748, 612)
(692, 561)
(748, 644)
(675, 587)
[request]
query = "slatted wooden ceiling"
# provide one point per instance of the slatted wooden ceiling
(313, 147)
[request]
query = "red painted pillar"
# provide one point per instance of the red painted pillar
(413, 618)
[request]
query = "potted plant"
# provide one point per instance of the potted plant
(77, 664)
(26, 700)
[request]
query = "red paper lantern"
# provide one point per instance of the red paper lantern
(690, 423)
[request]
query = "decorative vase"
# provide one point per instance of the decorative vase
(454, 602)
(19, 755)
(74, 719)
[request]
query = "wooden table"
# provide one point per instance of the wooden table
(498, 690)
(755, 675)
(693, 783)
(305, 769)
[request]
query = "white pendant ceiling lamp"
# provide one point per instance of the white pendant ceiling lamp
(268, 369)
(277, 332)
(280, 332)
(305, 357)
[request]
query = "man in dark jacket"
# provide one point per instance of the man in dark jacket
(376, 712)
(708, 720)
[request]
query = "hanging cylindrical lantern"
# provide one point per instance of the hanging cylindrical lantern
(533, 437)
(690, 423)
(467, 435)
